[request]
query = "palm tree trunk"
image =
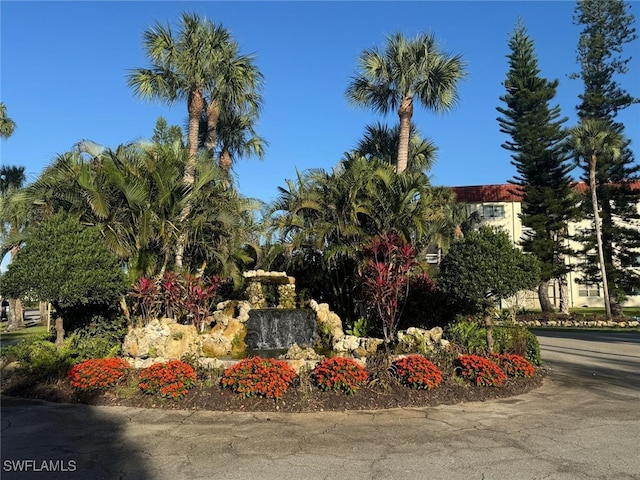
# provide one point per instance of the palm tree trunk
(225, 161)
(405, 113)
(564, 295)
(194, 106)
(213, 114)
(563, 286)
(488, 323)
(596, 219)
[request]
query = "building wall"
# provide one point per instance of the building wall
(504, 212)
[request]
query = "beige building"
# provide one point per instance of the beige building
(498, 207)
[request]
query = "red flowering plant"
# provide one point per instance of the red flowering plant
(97, 373)
(480, 370)
(257, 376)
(513, 365)
(385, 279)
(339, 373)
(172, 379)
(417, 372)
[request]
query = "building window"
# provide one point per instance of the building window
(493, 211)
(589, 290)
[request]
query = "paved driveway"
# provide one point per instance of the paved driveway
(577, 426)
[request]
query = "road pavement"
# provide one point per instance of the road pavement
(583, 423)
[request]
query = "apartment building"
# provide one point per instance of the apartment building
(497, 206)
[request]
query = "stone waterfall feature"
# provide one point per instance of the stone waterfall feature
(276, 328)
(281, 327)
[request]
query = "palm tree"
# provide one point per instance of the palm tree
(235, 138)
(7, 125)
(407, 69)
(135, 194)
(382, 142)
(236, 95)
(589, 140)
(200, 65)
(12, 221)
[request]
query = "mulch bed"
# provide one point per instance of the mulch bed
(301, 396)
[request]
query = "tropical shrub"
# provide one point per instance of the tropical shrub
(39, 358)
(469, 335)
(146, 302)
(97, 373)
(257, 376)
(70, 265)
(480, 370)
(511, 337)
(385, 278)
(339, 373)
(513, 365)
(187, 297)
(426, 307)
(200, 294)
(101, 338)
(417, 372)
(172, 379)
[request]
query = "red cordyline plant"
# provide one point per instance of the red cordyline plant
(257, 376)
(513, 365)
(480, 370)
(146, 298)
(417, 372)
(385, 279)
(172, 293)
(339, 373)
(97, 373)
(172, 379)
(175, 296)
(200, 295)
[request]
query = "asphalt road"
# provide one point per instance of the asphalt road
(583, 423)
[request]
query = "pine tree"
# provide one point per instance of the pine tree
(607, 28)
(543, 177)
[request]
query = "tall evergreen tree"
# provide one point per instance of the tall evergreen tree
(543, 177)
(607, 27)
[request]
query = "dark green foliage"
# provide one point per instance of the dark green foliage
(101, 338)
(39, 358)
(166, 134)
(484, 268)
(607, 27)
(69, 265)
(513, 338)
(469, 335)
(543, 179)
(426, 306)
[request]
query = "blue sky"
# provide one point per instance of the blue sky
(64, 67)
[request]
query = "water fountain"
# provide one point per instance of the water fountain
(280, 327)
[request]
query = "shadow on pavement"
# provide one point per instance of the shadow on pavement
(41, 440)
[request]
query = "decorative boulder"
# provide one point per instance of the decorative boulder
(161, 338)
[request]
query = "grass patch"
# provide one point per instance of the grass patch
(21, 334)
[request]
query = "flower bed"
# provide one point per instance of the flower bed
(480, 370)
(172, 379)
(417, 372)
(339, 374)
(266, 377)
(97, 373)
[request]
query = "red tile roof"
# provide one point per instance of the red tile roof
(487, 193)
(505, 192)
